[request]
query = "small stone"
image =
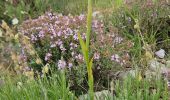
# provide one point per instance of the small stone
(154, 65)
(160, 53)
(15, 21)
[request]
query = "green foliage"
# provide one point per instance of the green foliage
(141, 90)
(54, 87)
(25, 9)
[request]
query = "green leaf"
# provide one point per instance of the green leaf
(83, 47)
(91, 63)
(89, 23)
(90, 77)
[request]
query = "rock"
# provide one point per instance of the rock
(160, 53)
(102, 95)
(15, 21)
(121, 75)
(154, 65)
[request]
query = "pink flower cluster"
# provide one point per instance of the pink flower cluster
(59, 32)
(54, 36)
(121, 60)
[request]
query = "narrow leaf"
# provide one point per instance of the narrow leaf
(83, 46)
(89, 23)
(90, 77)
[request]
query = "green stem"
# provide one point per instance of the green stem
(89, 22)
(88, 62)
(89, 66)
(85, 50)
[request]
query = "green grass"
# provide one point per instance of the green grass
(141, 90)
(54, 87)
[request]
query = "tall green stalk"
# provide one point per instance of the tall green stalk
(85, 50)
(89, 22)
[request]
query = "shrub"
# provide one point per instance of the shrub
(55, 40)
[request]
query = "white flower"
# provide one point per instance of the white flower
(15, 21)
(115, 57)
(160, 53)
(96, 56)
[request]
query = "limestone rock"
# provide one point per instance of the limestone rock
(160, 53)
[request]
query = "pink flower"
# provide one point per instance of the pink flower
(70, 65)
(48, 56)
(79, 57)
(75, 37)
(61, 64)
(41, 34)
(81, 17)
(59, 42)
(96, 56)
(84, 36)
(62, 48)
(115, 57)
(33, 37)
(59, 33)
(70, 32)
(72, 46)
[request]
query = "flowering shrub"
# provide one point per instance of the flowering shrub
(55, 36)
(55, 40)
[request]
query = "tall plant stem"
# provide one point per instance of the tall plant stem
(88, 62)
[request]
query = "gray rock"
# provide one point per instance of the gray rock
(160, 53)
(154, 65)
